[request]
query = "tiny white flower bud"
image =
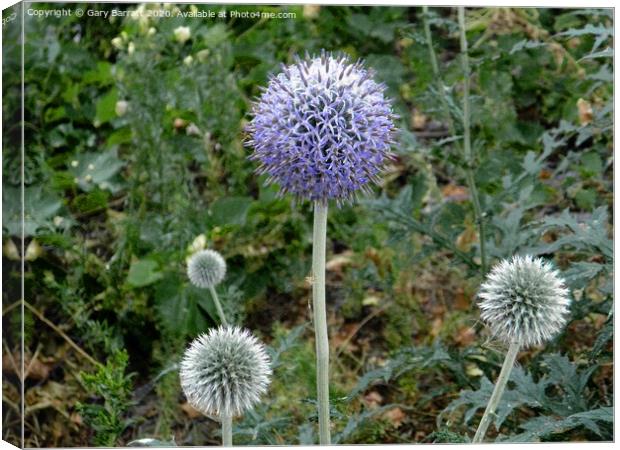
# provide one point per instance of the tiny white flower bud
(117, 42)
(121, 108)
(182, 34)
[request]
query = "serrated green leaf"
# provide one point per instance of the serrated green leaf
(230, 210)
(105, 107)
(143, 272)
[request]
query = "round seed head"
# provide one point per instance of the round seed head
(206, 268)
(524, 300)
(225, 371)
(322, 129)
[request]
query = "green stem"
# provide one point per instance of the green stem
(500, 385)
(226, 430)
(435, 66)
(320, 319)
(218, 306)
(467, 150)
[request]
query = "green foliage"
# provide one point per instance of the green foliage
(560, 396)
(134, 147)
(113, 389)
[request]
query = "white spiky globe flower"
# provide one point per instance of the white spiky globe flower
(225, 371)
(524, 301)
(206, 268)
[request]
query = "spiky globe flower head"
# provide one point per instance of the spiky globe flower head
(322, 129)
(206, 268)
(225, 371)
(524, 301)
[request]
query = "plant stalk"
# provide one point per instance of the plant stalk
(218, 306)
(320, 319)
(498, 391)
(435, 66)
(226, 430)
(467, 149)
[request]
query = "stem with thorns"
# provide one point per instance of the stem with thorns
(435, 66)
(467, 150)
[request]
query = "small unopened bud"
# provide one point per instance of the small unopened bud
(117, 43)
(9, 249)
(192, 130)
(33, 251)
(311, 11)
(182, 34)
(202, 55)
(121, 108)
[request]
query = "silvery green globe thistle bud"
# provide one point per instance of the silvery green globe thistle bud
(206, 268)
(225, 371)
(322, 129)
(524, 301)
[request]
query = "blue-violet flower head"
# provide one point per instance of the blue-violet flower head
(225, 371)
(206, 268)
(524, 300)
(322, 129)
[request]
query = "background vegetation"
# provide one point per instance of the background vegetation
(134, 156)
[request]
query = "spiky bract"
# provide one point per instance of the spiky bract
(225, 371)
(206, 268)
(322, 129)
(524, 300)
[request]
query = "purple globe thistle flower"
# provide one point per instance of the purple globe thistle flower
(322, 129)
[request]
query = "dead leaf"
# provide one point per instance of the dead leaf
(418, 120)
(461, 301)
(191, 412)
(436, 326)
(454, 193)
(373, 399)
(585, 111)
(337, 262)
(465, 336)
(311, 11)
(544, 174)
(76, 419)
(37, 370)
(395, 416)
(467, 237)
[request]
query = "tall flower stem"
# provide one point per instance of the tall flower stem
(467, 150)
(227, 430)
(218, 306)
(498, 391)
(320, 319)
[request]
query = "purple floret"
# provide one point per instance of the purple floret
(322, 129)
